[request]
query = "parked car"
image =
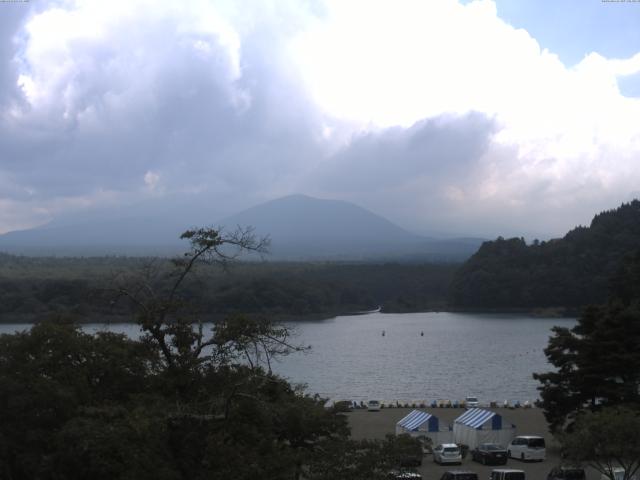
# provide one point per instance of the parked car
(489, 454)
(471, 402)
(404, 474)
(507, 474)
(447, 453)
(459, 475)
(566, 473)
(527, 447)
(373, 405)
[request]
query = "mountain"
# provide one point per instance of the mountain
(131, 236)
(150, 227)
(300, 228)
(570, 272)
(304, 226)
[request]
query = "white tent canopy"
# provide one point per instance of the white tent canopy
(423, 424)
(477, 426)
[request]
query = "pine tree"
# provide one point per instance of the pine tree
(597, 361)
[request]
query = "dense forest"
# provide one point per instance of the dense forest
(176, 403)
(32, 288)
(506, 274)
(568, 273)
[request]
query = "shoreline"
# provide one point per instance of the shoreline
(371, 425)
(557, 312)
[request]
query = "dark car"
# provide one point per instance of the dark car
(459, 475)
(567, 473)
(489, 454)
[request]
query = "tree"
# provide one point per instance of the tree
(54, 376)
(606, 440)
(568, 273)
(179, 403)
(222, 379)
(597, 361)
(157, 301)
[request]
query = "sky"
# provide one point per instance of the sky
(447, 117)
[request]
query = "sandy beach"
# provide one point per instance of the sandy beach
(529, 421)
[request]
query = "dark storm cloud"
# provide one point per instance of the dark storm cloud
(437, 149)
(170, 103)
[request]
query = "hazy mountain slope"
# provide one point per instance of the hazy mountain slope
(569, 272)
(303, 226)
(134, 236)
(300, 228)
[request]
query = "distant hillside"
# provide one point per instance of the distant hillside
(298, 224)
(300, 227)
(128, 235)
(306, 228)
(570, 272)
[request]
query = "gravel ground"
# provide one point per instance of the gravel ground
(530, 421)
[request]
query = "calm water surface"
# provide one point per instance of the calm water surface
(491, 356)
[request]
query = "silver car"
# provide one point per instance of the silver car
(471, 402)
(447, 453)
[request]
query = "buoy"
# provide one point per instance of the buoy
(422, 334)
(383, 333)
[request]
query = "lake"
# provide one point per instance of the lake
(485, 355)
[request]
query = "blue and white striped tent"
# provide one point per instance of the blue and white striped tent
(423, 424)
(477, 426)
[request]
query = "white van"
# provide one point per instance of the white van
(471, 402)
(373, 405)
(507, 474)
(527, 447)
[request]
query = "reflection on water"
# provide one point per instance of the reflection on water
(421, 356)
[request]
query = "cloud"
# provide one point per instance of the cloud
(434, 150)
(438, 115)
(564, 140)
(451, 175)
(425, 59)
(112, 93)
(12, 17)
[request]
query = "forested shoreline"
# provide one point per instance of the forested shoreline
(33, 288)
(565, 274)
(553, 278)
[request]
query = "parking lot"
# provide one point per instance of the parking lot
(371, 425)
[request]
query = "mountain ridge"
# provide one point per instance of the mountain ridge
(300, 228)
